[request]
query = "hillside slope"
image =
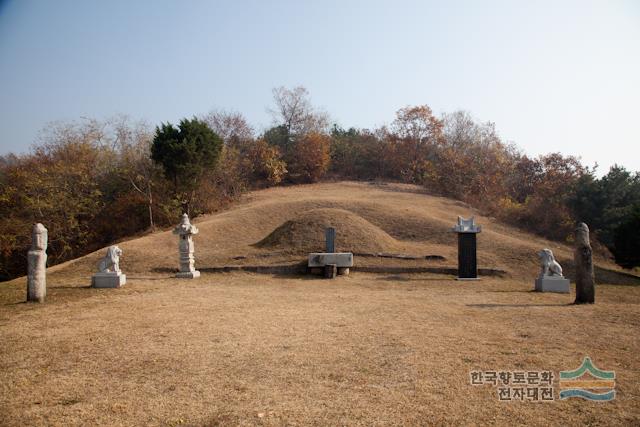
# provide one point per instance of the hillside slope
(242, 348)
(281, 225)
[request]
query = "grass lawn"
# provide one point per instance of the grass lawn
(247, 349)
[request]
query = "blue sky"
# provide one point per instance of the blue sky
(553, 75)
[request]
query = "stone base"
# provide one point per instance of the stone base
(330, 271)
(108, 280)
(552, 284)
(340, 259)
(188, 274)
(343, 271)
(468, 278)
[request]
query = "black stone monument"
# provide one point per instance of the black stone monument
(467, 248)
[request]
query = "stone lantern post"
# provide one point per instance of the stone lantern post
(467, 254)
(37, 264)
(185, 230)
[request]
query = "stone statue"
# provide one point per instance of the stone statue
(186, 248)
(37, 264)
(550, 278)
(583, 257)
(109, 274)
(548, 263)
(111, 261)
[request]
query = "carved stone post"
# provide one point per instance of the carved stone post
(185, 246)
(583, 257)
(467, 251)
(37, 264)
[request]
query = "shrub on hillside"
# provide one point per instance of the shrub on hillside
(626, 248)
(309, 159)
(186, 153)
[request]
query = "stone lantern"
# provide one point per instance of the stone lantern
(185, 230)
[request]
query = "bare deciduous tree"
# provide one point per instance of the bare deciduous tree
(417, 124)
(461, 131)
(231, 126)
(134, 145)
(294, 111)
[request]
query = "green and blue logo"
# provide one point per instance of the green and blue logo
(592, 387)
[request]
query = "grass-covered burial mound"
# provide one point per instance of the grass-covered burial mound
(306, 233)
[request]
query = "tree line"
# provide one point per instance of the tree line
(94, 182)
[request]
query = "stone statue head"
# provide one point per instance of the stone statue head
(549, 265)
(39, 237)
(582, 234)
(545, 254)
(111, 261)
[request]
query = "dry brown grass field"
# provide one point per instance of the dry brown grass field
(267, 349)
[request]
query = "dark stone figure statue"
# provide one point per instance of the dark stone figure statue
(583, 256)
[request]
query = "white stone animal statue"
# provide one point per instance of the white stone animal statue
(549, 265)
(111, 262)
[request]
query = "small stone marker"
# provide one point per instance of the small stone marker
(37, 264)
(467, 248)
(330, 240)
(583, 258)
(185, 248)
(340, 259)
(550, 278)
(109, 274)
(332, 263)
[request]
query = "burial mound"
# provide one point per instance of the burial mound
(306, 233)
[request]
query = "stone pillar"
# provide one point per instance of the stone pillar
(185, 230)
(583, 257)
(467, 248)
(330, 271)
(330, 240)
(37, 264)
(467, 256)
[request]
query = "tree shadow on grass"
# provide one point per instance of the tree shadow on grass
(18, 303)
(508, 291)
(396, 278)
(517, 305)
(70, 287)
(604, 276)
(164, 270)
(305, 277)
